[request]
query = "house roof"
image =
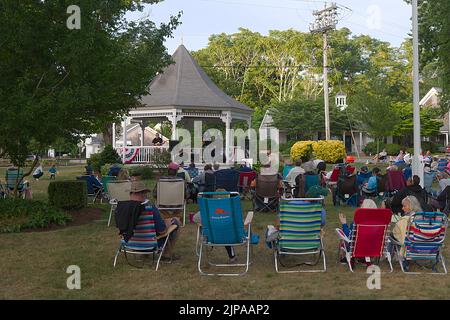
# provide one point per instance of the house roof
(184, 84)
(434, 92)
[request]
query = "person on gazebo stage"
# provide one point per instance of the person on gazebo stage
(157, 141)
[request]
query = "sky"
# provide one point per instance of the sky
(387, 20)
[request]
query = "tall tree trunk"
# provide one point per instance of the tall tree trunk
(107, 134)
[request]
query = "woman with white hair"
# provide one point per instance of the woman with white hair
(367, 204)
(410, 205)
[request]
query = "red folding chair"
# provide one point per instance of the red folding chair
(368, 237)
(245, 180)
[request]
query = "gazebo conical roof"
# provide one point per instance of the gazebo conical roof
(185, 85)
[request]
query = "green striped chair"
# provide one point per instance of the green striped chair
(300, 233)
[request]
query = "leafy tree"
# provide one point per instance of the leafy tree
(61, 83)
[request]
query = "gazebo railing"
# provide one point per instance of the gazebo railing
(144, 154)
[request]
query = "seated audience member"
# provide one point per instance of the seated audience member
(440, 202)
(443, 181)
(200, 181)
(187, 177)
(123, 175)
(407, 158)
(412, 188)
(410, 205)
(114, 170)
(192, 170)
(38, 172)
(294, 172)
(322, 172)
(367, 203)
(157, 141)
(372, 183)
(216, 166)
(137, 208)
(382, 156)
(244, 168)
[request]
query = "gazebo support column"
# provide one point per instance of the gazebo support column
(142, 125)
(124, 144)
(114, 135)
(226, 117)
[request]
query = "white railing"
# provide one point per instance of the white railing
(141, 154)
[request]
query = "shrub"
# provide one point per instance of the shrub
(146, 172)
(371, 148)
(392, 149)
(67, 194)
(108, 155)
(329, 151)
(18, 214)
(429, 145)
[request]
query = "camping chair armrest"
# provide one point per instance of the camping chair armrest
(169, 230)
(342, 236)
(249, 218)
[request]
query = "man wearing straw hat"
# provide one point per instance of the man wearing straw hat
(138, 193)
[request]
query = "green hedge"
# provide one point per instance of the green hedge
(68, 194)
(146, 172)
(18, 214)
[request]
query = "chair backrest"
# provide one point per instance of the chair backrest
(89, 184)
(222, 220)
(246, 178)
(382, 182)
(369, 232)
(335, 174)
(193, 172)
(428, 178)
(106, 180)
(119, 190)
(407, 173)
(11, 177)
(210, 182)
(227, 179)
(311, 180)
(300, 223)
(425, 235)
(348, 185)
(286, 170)
(170, 192)
(396, 181)
(144, 234)
(267, 185)
(442, 164)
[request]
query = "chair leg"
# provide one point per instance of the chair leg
(117, 255)
(110, 215)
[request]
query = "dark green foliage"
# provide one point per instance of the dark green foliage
(67, 194)
(108, 155)
(371, 148)
(18, 214)
(430, 146)
(393, 149)
(146, 172)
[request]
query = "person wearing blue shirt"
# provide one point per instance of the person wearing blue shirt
(371, 186)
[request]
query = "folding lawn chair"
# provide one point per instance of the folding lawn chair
(347, 191)
(245, 180)
(395, 182)
(93, 190)
(310, 181)
(170, 195)
(266, 193)
(227, 179)
(222, 225)
(368, 238)
(286, 170)
(300, 233)
(13, 175)
(362, 178)
(106, 180)
(144, 240)
(118, 191)
(428, 178)
(442, 164)
(425, 235)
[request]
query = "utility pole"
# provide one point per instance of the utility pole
(417, 166)
(326, 20)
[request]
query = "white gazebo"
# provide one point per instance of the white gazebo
(184, 93)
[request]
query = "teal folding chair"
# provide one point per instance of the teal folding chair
(425, 235)
(222, 225)
(13, 175)
(299, 234)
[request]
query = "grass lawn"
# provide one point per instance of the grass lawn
(33, 266)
